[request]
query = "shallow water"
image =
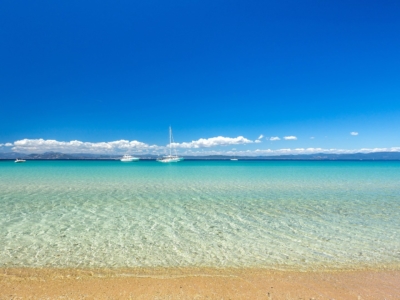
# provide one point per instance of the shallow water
(200, 213)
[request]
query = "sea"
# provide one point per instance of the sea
(280, 215)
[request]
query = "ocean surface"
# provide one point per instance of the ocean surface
(283, 215)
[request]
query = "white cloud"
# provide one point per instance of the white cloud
(354, 133)
(41, 145)
(259, 139)
(291, 137)
(8, 144)
(311, 137)
(274, 138)
(213, 142)
(1, 145)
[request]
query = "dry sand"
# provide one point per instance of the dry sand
(204, 283)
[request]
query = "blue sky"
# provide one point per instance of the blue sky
(105, 71)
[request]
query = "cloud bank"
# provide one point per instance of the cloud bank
(41, 145)
(198, 147)
(6, 145)
(214, 142)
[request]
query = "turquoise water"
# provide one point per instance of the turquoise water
(220, 214)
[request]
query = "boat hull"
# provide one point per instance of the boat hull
(170, 160)
(129, 159)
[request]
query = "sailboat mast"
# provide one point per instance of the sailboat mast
(170, 141)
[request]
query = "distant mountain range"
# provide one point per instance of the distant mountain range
(319, 156)
(66, 156)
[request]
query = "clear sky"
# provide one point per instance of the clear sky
(224, 74)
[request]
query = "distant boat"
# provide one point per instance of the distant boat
(20, 160)
(129, 158)
(234, 159)
(170, 158)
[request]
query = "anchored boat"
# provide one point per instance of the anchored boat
(170, 158)
(129, 158)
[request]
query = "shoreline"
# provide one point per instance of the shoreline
(198, 283)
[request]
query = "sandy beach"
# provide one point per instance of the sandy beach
(202, 283)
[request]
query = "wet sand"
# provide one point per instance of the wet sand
(202, 283)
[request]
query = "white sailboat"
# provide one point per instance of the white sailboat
(170, 158)
(18, 160)
(129, 158)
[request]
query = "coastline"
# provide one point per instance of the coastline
(198, 283)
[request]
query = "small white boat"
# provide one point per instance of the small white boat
(129, 158)
(20, 160)
(234, 159)
(170, 158)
